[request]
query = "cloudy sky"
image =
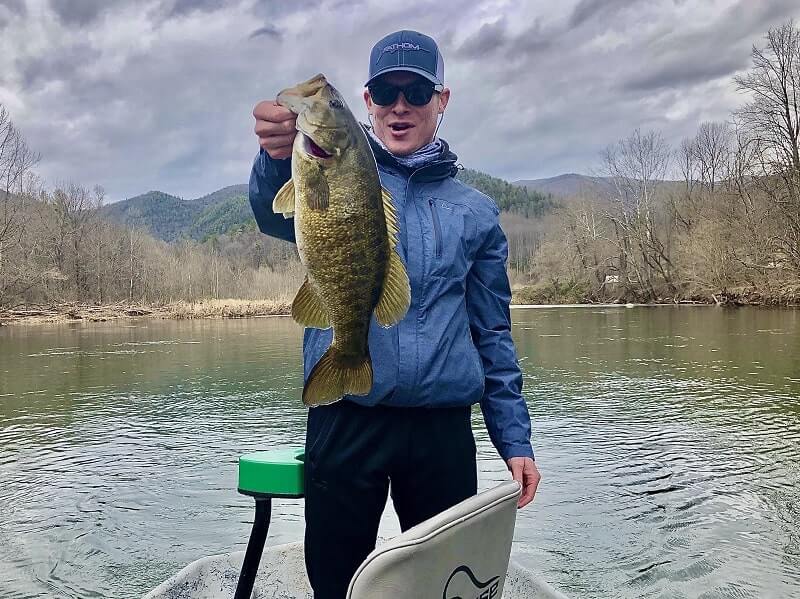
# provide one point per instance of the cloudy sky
(137, 95)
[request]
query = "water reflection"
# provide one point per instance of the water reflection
(669, 440)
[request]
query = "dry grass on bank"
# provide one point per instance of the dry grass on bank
(221, 308)
(227, 308)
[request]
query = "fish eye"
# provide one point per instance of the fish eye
(335, 103)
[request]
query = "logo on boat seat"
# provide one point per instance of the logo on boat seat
(467, 586)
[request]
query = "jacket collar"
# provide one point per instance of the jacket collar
(444, 166)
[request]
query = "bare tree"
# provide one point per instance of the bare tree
(16, 158)
(70, 217)
(705, 161)
(771, 121)
(16, 162)
(712, 148)
(636, 166)
(773, 116)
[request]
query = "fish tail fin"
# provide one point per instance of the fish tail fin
(335, 376)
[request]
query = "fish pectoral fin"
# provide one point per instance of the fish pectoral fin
(395, 295)
(391, 217)
(334, 376)
(284, 200)
(318, 196)
(308, 309)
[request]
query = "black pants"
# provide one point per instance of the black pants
(352, 452)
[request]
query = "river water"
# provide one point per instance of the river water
(668, 439)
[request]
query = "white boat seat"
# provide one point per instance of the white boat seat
(462, 553)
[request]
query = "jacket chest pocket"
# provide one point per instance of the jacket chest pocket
(447, 243)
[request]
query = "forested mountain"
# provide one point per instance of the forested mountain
(170, 218)
(229, 216)
(222, 195)
(509, 197)
(162, 215)
(227, 210)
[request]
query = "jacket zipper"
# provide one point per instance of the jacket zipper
(437, 229)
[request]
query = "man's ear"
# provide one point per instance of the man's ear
(444, 98)
(368, 100)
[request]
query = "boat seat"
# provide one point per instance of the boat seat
(462, 553)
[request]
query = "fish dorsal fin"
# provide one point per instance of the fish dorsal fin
(396, 293)
(284, 200)
(317, 193)
(308, 309)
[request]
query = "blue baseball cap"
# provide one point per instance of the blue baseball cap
(407, 51)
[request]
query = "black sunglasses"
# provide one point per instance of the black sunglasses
(418, 93)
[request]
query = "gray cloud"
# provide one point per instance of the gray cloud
(677, 71)
(139, 95)
(495, 39)
(48, 68)
(269, 31)
(81, 12)
(14, 6)
(272, 10)
(599, 10)
(534, 40)
(679, 57)
(487, 40)
(184, 7)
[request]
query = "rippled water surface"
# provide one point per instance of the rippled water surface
(668, 438)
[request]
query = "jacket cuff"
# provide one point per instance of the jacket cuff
(523, 450)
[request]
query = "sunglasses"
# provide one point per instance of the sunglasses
(418, 93)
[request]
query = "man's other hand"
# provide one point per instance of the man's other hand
(275, 128)
(526, 473)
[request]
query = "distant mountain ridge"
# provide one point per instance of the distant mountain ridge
(227, 210)
(569, 185)
(572, 185)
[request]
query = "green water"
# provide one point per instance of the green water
(668, 440)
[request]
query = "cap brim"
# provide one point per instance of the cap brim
(407, 69)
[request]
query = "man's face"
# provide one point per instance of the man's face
(402, 127)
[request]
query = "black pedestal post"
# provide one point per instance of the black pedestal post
(255, 547)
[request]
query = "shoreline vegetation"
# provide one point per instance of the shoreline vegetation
(527, 297)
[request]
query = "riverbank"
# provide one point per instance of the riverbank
(222, 308)
(786, 295)
(237, 308)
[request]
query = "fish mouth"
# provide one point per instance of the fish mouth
(313, 149)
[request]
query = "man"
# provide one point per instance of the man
(452, 349)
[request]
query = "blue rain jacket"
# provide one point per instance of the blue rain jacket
(454, 346)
